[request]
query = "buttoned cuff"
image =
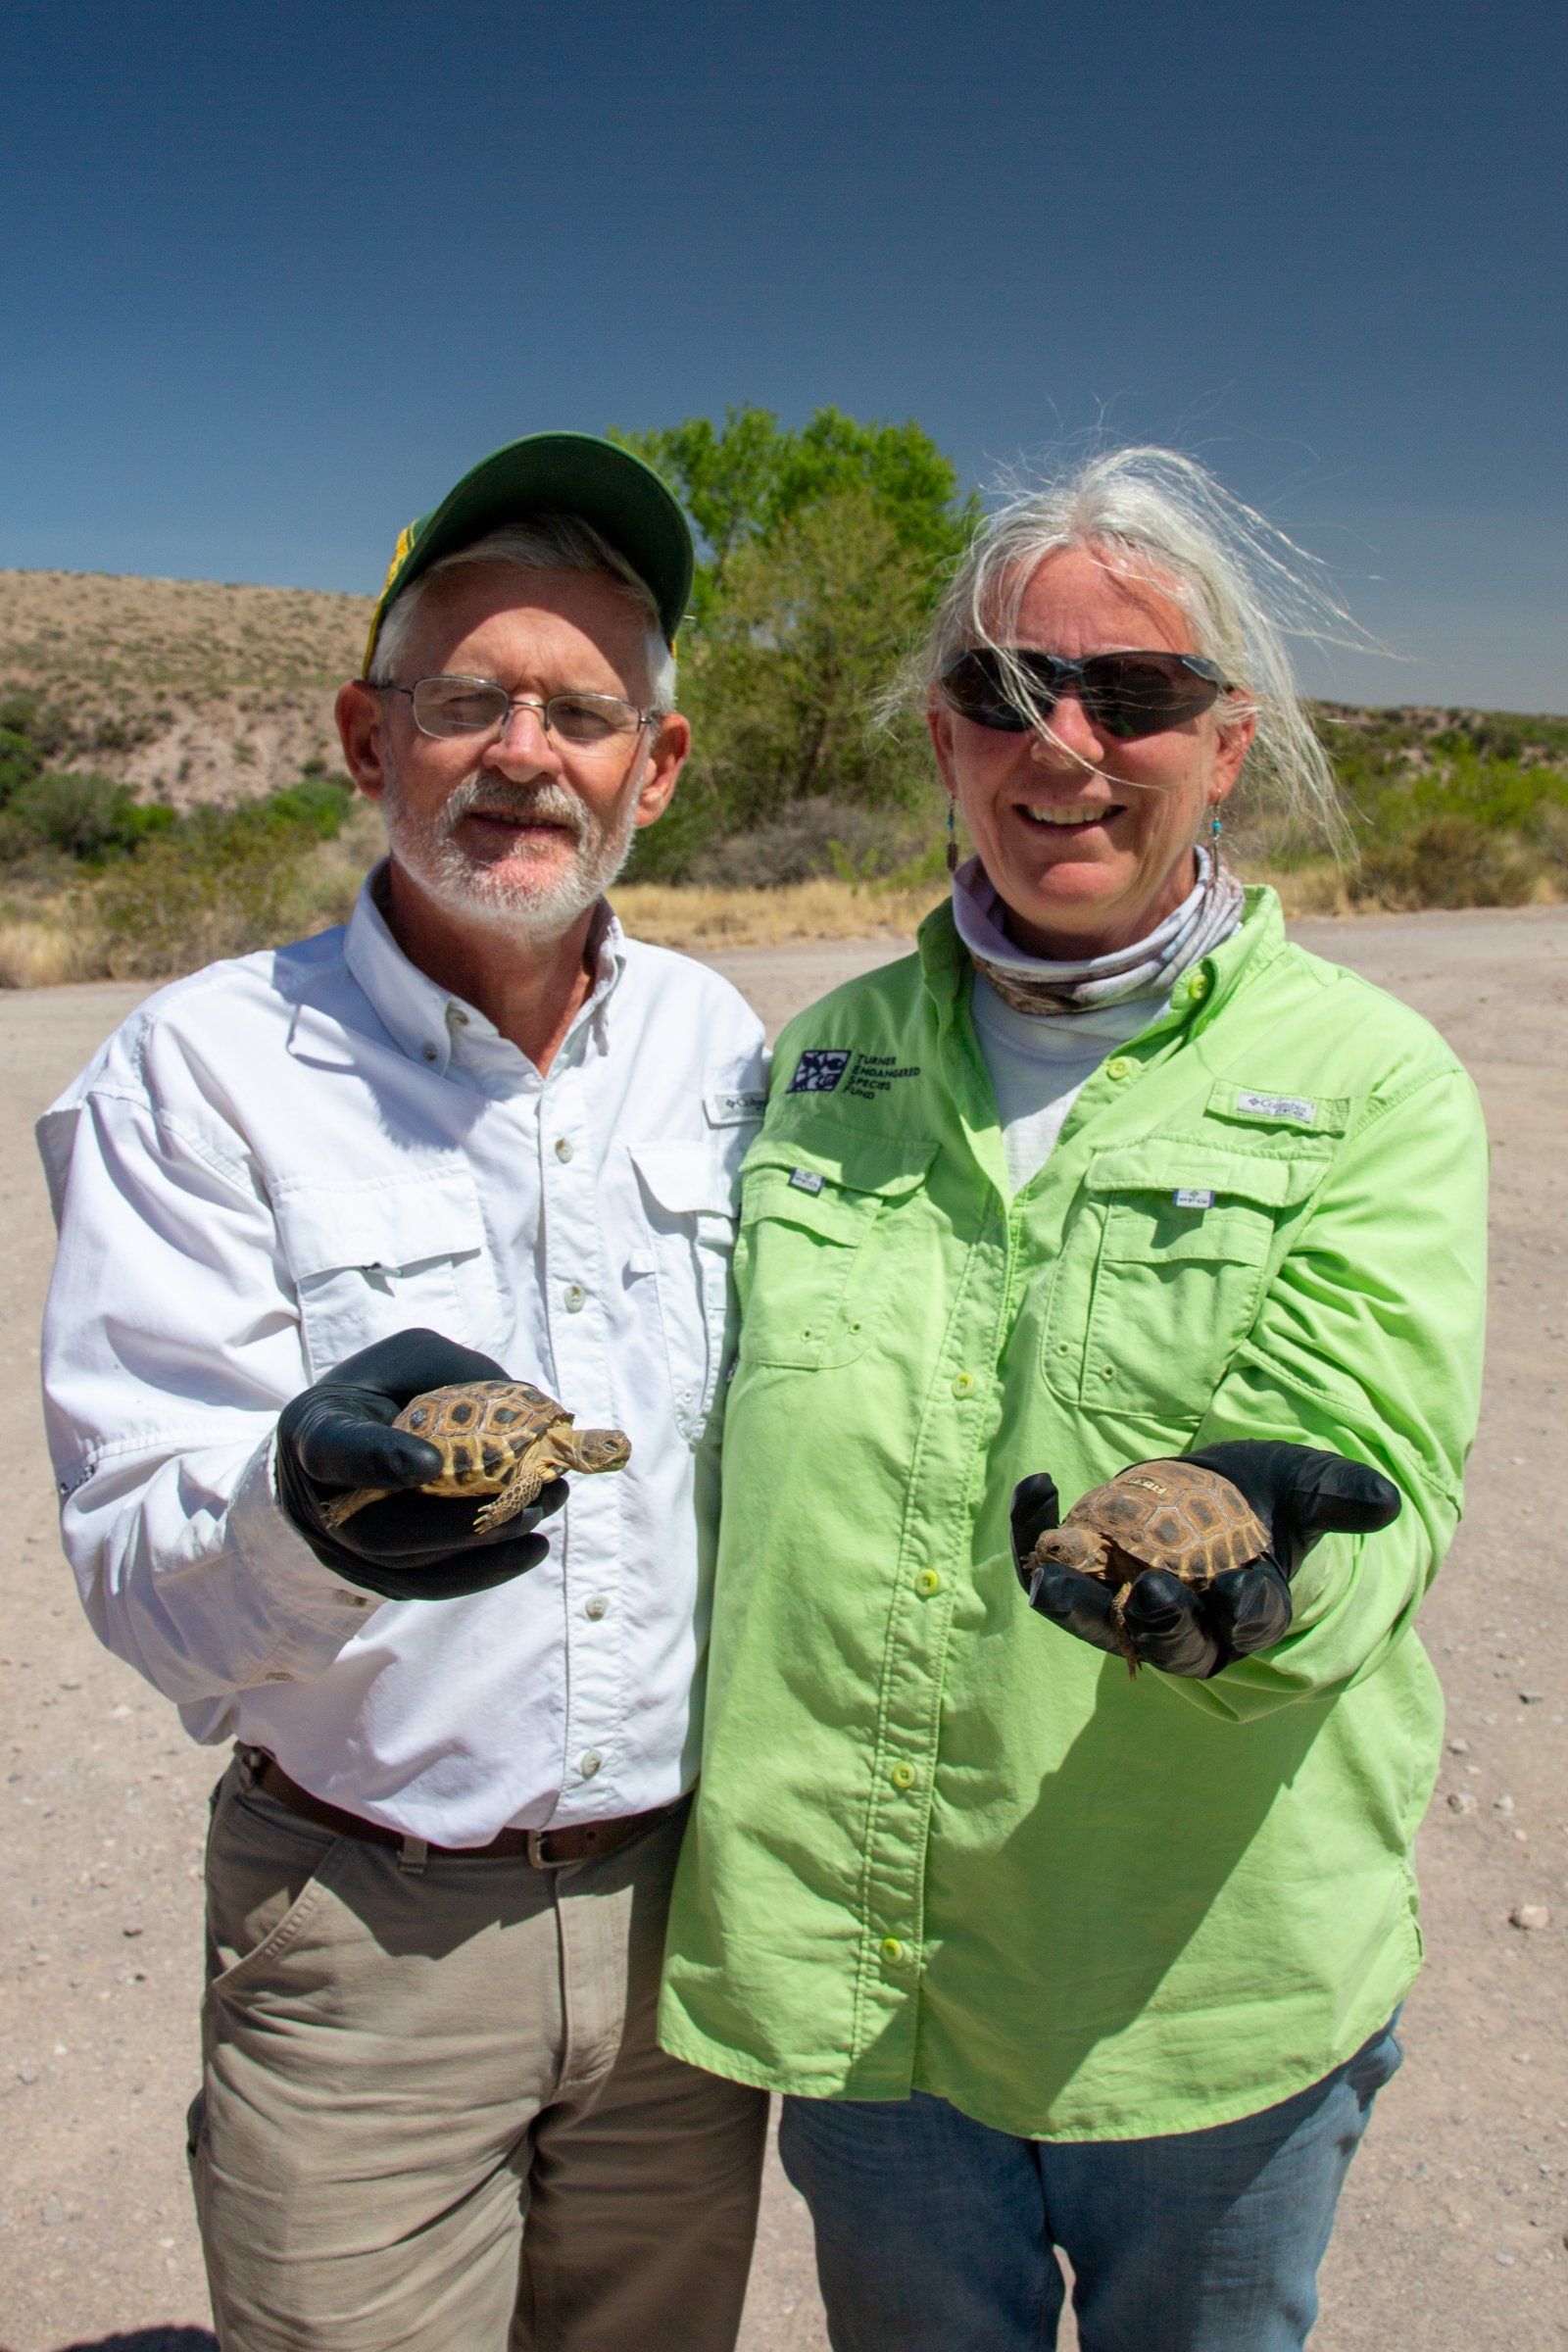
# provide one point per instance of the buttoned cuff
(307, 1612)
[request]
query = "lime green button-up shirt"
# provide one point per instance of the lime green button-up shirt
(941, 1844)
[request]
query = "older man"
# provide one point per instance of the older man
(474, 1129)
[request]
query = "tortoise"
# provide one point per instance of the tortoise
(501, 1438)
(1162, 1514)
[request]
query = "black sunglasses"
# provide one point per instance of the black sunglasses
(1129, 695)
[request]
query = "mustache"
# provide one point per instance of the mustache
(543, 804)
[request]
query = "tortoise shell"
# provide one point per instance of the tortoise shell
(482, 1428)
(503, 1438)
(1162, 1514)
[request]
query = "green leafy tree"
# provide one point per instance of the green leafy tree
(746, 481)
(822, 553)
(813, 622)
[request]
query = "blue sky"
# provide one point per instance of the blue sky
(270, 278)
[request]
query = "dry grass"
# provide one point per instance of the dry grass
(44, 951)
(676, 916)
(62, 937)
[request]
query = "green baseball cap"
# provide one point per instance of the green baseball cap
(556, 473)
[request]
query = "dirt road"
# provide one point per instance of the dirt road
(1451, 2234)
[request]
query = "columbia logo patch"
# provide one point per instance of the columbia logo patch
(818, 1070)
(1193, 1196)
(737, 1107)
(805, 1180)
(1299, 1109)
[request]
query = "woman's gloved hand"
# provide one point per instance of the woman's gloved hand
(1298, 1492)
(409, 1546)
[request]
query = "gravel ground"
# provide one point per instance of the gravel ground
(1452, 2229)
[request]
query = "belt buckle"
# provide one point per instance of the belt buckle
(537, 1856)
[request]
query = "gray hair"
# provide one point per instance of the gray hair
(1241, 584)
(546, 543)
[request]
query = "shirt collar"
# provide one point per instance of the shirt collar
(429, 1023)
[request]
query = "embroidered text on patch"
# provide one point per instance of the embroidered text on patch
(1193, 1196)
(1299, 1107)
(805, 1180)
(818, 1070)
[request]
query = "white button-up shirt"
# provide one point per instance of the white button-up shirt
(281, 1159)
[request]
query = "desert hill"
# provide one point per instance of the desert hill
(197, 691)
(188, 691)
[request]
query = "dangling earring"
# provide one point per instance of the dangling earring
(1216, 829)
(953, 845)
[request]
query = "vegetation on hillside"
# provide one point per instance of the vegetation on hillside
(169, 785)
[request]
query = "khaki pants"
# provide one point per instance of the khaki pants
(434, 2116)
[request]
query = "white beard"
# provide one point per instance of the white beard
(534, 912)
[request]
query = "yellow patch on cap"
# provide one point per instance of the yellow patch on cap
(400, 554)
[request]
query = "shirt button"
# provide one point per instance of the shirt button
(430, 1052)
(1119, 1066)
(576, 1298)
(963, 1386)
(590, 1763)
(562, 1147)
(1199, 986)
(927, 1583)
(457, 1016)
(891, 1949)
(595, 1606)
(903, 1776)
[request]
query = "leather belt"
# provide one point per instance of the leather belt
(544, 1849)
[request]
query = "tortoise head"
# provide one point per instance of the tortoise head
(601, 1449)
(1070, 1547)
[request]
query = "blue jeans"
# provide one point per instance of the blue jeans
(935, 2234)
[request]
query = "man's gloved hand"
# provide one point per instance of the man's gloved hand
(409, 1546)
(1298, 1492)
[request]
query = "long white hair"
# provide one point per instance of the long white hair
(1164, 518)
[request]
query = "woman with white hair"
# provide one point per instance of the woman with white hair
(1045, 1956)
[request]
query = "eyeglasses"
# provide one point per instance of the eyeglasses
(446, 707)
(1129, 695)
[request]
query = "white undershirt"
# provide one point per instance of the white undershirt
(1038, 1066)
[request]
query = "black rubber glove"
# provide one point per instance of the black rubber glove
(409, 1546)
(1298, 1492)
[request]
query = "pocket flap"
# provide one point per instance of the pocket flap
(392, 1221)
(887, 1165)
(685, 1176)
(1167, 1165)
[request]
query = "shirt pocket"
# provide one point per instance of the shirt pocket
(819, 1251)
(372, 1259)
(1162, 1271)
(688, 1206)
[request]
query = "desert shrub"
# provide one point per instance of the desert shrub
(808, 839)
(316, 806)
(222, 885)
(1449, 862)
(20, 760)
(1548, 834)
(78, 815)
(224, 882)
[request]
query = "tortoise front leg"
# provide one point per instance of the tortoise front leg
(525, 1482)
